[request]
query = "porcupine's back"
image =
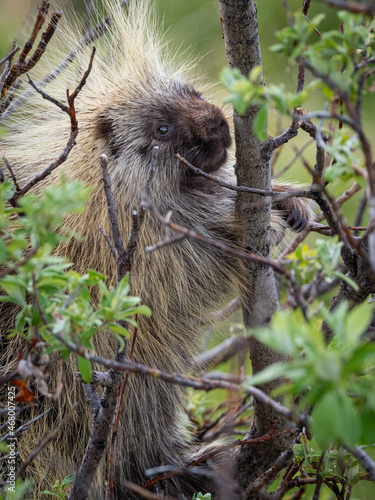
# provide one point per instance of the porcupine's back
(134, 79)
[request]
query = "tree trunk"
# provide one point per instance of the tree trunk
(240, 28)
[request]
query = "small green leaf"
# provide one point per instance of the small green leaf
(85, 369)
(261, 123)
(119, 329)
(325, 416)
(67, 480)
(347, 280)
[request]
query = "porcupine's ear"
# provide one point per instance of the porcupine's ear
(105, 130)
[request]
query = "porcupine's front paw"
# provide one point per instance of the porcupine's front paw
(297, 212)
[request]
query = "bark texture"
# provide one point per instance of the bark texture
(240, 28)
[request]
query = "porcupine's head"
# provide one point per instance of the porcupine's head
(150, 103)
(173, 116)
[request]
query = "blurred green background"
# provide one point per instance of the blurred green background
(194, 25)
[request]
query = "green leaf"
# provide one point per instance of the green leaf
(348, 424)
(358, 320)
(85, 369)
(261, 123)
(368, 428)
(347, 280)
(272, 372)
(144, 310)
(119, 329)
(67, 480)
(14, 289)
(325, 417)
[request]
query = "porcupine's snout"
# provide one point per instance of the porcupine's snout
(211, 134)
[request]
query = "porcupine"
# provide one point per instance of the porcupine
(138, 97)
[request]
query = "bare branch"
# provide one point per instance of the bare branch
(113, 217)
(220, 353)
(244, 189)
(10, 55)
(25, 427)
(147, 494)
(275, 142)
(73, 134)
(39, 21)
(298, 153)
(22, 66)
(305, 7)
(367, 8)
(9, 167)
(184, 380)
(88, 38)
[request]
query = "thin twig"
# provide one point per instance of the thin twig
(279, 195)
(25, 427)
(146, 494)
(9, 167)
(319, 478)
(10, 55)
(13, 269)
(298, 153)
(186, 380)
(113, 217)
(108, 240)
(367, 8)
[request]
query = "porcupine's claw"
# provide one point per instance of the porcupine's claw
(299, 224)
(296, 213)
(291, 217)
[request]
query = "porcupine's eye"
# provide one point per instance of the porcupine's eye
(163, 130)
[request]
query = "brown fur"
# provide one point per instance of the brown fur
(133, 91)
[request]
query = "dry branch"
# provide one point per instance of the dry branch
(70, 110)
(188, 381)
(88, 38)
(244, 189)
(22, 66)
(10, 55)
(367, 8)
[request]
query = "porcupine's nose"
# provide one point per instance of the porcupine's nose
(217, 128)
